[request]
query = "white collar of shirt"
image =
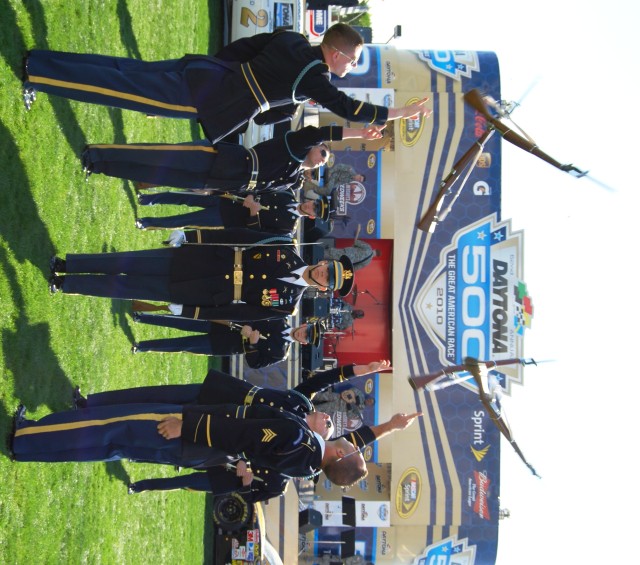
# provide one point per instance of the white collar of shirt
(293, 280)
(321, 442)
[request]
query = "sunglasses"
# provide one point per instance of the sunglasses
(352, 60)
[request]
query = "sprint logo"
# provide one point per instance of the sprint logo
(479, 454)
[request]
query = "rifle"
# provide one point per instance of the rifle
(485, 395)
(425, 381)
(237, 198)
(430, 220)
(476, 101)
(233, 326)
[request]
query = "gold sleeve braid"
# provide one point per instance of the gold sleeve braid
(195, 435)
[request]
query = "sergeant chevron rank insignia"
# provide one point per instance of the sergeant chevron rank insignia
(268, 435)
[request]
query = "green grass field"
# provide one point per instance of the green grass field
(81, 513)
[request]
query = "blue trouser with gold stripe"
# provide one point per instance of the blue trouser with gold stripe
(209, 217)
(197, 344)
(142, 275)
(181, 165)
(157, 88)
(159, 394)
(193, 481)
(104, 433)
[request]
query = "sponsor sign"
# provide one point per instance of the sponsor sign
(475, 303)
(453, 64)
(408, 492)
(317, 24)
(449, 551)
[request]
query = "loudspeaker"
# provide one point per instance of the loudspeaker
(315, 307)
(312, 356)
(308, 520)
(315, 229)
(312, 254)
(348, 539)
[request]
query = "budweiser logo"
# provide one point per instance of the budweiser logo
(480, 506)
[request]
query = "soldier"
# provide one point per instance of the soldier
(227, 281)
(273, 212)
(265, 485)
(274, 164)
(265, 77)
(220, 387)
(360, 253)
(262, 342)
(186, 435)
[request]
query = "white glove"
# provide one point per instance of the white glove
(175, 309)
(177, 238)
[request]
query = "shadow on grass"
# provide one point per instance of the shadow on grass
(12, 45)
(116, 470)
(120, 311)
(216, 25)
(127, 36)
(13, 48)
(37, 376)
(20, 223)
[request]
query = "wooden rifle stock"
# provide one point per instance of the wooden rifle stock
(430, 219)
(497, 417)
(421, 381)
(476, 101)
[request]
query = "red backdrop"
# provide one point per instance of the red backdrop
(369, 338)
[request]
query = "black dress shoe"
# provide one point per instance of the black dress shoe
(132, 488)
(57, 265)
(55, 284)
(25, 66)
(134, 348)
(136, 316)
(87, 165)
(18, 418)
(9, 443)
(79, 401)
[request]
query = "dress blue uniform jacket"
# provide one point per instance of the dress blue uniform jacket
(272, 70)
(273, 438)
(201, 277)
(220, 387)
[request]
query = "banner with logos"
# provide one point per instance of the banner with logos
(458, 289)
